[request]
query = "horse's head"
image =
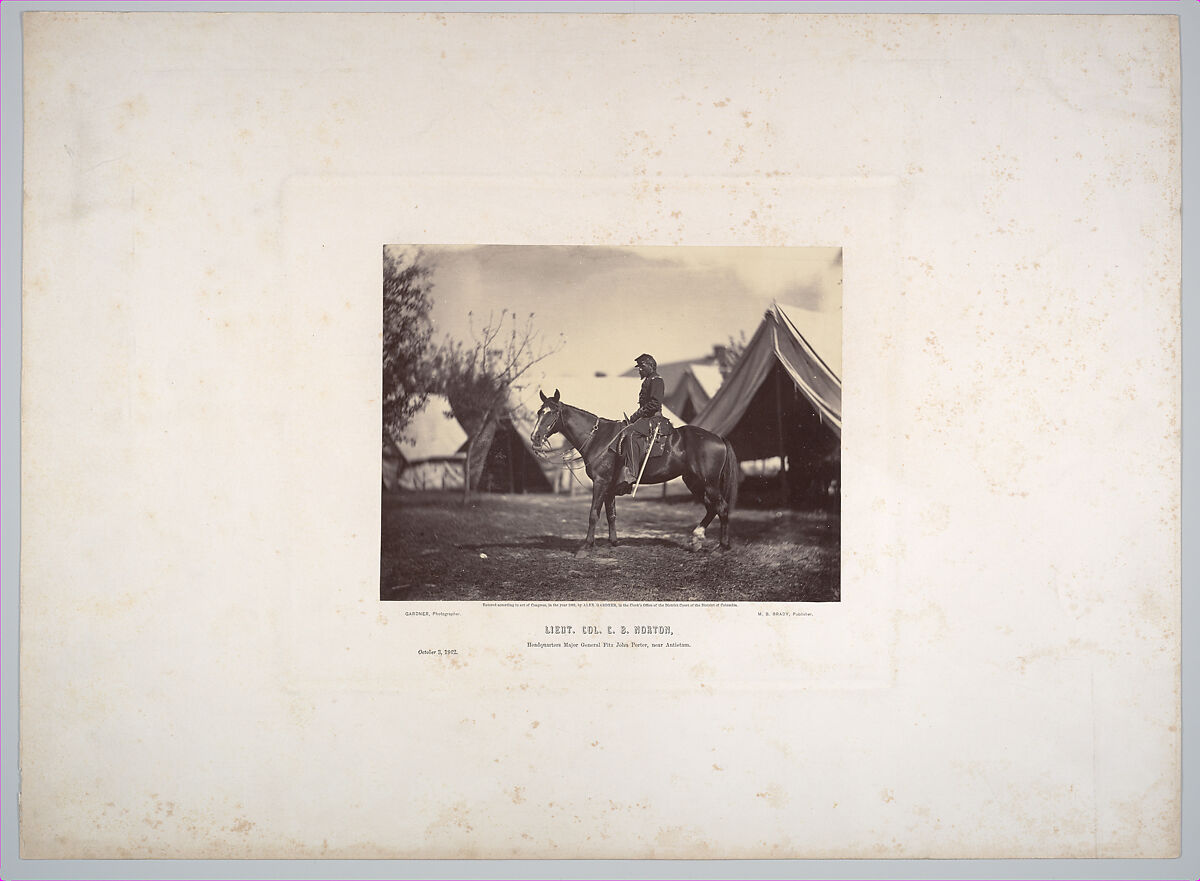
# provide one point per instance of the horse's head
(549, 419)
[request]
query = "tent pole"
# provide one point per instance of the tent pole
(783, 471)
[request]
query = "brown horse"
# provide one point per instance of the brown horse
(706, 462)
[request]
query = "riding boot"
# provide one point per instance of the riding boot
(625, 481)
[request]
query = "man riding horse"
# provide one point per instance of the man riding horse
(707, 463)
(649, 406)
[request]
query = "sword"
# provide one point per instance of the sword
(644, 461)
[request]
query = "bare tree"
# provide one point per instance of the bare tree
(478, 377)
(729, 354)
(406, 339)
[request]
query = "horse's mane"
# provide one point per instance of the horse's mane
(586, 412)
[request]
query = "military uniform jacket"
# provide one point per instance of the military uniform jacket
(650, 398)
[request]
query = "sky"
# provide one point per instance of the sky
(612, 304)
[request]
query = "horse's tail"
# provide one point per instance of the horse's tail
(729, 476)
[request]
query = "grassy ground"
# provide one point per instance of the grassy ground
(512, 547)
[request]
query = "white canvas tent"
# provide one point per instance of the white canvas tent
(694, 388)
(509, 463)
(709, 377)
(430, 450)
(393, 464)
(784, 399)
(778, 340)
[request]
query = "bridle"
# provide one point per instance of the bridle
(556, 425)
(570, 456)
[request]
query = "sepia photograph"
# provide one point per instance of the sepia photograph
(611, 424)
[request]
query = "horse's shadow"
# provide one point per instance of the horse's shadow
(569, 545)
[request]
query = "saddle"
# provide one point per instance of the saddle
(640, 432)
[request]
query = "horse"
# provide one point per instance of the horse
(706, 462)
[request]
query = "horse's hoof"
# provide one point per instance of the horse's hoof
(613, 543)
(725, 549)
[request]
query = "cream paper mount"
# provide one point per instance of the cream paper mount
(206, 668)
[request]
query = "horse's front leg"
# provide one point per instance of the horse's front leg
(598, 488)
(610, 509)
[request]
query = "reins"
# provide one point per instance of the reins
(569, 464)
(570, 461)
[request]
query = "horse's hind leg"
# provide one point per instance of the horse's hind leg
(698, 533)
(696, 485)
(610, 510)
(723, 513)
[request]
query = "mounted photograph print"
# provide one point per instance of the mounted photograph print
(611, 424)
(582, 436)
